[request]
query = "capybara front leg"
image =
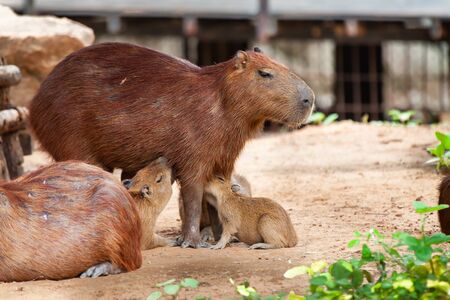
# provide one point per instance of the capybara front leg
(262, 246)
(192, 201)
(105, 268)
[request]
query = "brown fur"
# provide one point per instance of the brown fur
(444, 198)
(62, 219)
(106, 101)
(259, 222)
(151, 189)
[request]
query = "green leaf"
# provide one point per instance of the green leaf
(296, 271)
(165, 283)
(171, 289)
(316, 118)
(358, 278)
(444, 139)
(353, 243)
(366, 253)
(154, 296)
(318, 280)
(341, 270)
(330, 119)
(190, 282)
(424, 253)
(318, 266)
(422, 208)
(437, 238)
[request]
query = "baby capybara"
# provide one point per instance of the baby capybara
(151, 189)
(444, 198)
(106, 101)
(260, 222)
(64, 220)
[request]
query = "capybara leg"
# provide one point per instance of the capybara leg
(271, 230)
(192, 201)
(262, 246)
(224, 240)
(159, 241)
(105, 268)
(214, 221)
(207, 234)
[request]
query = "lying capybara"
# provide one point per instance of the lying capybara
(444, 198)
(210, 226)
(259, 222)
(106, 101)
(64, 220)
(151, 189)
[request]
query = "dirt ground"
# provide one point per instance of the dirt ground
(333, 180)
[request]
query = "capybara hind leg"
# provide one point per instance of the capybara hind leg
(192, 196)
(271, 230)
(159, 241)
(262, 246)
(105, 268)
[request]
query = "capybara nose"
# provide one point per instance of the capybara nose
(127, 183)
(307, 98)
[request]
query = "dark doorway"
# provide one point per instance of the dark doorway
(215, 51)
(359, 81)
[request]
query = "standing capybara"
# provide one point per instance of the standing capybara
(260, 222)
(64, 220)
(444, 198)
(151, 189)
(106, 101)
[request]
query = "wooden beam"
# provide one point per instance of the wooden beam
(13, 119)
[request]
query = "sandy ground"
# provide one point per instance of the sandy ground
(333, 180)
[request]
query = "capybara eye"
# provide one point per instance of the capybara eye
(160, 178)
(265, 74)
(127, 183)
(257, 49)
(221, 178)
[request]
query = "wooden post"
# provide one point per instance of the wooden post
(11, 121)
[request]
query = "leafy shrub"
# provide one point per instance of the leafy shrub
(441, 152)
(403, 117)
(171, 289)
(318, 118)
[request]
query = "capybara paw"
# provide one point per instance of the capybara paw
(191, 242)
(105, 268)
(261, 246)
(172, 242)
(207, 234)
(218, 246)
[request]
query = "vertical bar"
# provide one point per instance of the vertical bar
(340, 77)
(356, 82)
(373, 76)
(441, 77)
(408, 87)
(262, 23)
(425, 76)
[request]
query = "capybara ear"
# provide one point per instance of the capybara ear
(241, 60)
(236, 188)
(257, 49)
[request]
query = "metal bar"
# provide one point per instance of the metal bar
(373, 72)
(356, 83)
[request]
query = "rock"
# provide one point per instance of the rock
(36, 44)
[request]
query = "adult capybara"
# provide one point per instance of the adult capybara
(107, 101)
(260, 222)
(151, 189)
(64, 220)
(444, 198)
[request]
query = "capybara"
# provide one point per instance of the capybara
(108, 100)
(64, 220)
(259, 222)
(151, 189)
(210, 226)
(444, 198)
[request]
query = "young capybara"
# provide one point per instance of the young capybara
(151, 189)
(106, 101)
(211, 229)
(259, 222)
(64, 220)
(444, 198)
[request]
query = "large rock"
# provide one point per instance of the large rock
(36, 44)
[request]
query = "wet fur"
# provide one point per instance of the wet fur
(60, 220)
(258, 222)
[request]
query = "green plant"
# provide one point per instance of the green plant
(403, 117)
(318, 118)
(418, 272)
(441, 152)
(171, 288)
